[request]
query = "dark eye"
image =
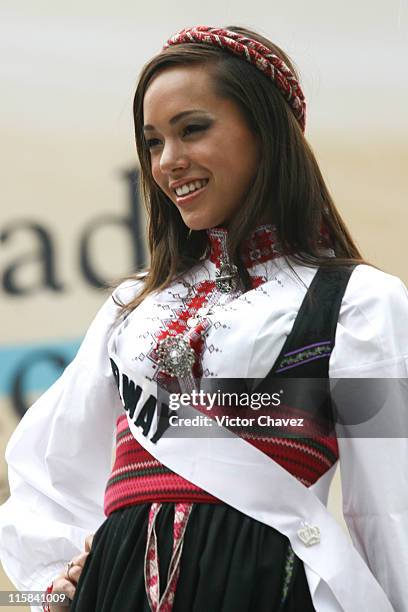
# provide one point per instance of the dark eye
(189, 129)
(152, 142)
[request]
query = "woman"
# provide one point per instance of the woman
(253, 278)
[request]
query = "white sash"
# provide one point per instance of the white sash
(243, 477)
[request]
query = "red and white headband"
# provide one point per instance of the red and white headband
(256, 54)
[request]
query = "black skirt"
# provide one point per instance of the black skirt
(229, 563)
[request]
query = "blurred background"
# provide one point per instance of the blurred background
(71, 218)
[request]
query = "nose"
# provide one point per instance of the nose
(173, 158)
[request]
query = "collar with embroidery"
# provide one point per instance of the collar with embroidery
(260, 245)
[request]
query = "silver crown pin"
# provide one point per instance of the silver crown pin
(309, 534)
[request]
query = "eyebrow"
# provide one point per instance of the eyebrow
(176, 118)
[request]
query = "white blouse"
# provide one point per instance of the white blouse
(60, 454)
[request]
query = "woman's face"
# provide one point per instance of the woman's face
(198, 141)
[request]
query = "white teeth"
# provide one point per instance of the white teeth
(189, 187)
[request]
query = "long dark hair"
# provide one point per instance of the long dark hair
(289, 186)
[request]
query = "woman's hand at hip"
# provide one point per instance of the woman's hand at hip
(67, 580)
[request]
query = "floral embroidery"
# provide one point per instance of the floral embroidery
(288, 573)
(307, 353)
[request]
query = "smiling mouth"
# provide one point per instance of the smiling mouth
(191, 194)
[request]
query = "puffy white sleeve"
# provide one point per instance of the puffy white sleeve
(372, 344)
(59, 460)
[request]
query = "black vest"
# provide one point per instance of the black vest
(301, 370)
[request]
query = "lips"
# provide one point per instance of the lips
(187, 198)
(185, 182)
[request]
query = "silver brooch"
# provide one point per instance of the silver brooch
(176, 356)
(226, 277)
(309, 534)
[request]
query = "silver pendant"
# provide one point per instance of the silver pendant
(176, 356)
(226, 277)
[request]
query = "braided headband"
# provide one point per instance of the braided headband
(256, 54)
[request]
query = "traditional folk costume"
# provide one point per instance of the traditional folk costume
(225, 523)
(235, 519)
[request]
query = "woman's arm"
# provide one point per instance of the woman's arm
(372, 346)
(59, 460)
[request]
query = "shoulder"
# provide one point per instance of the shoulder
(110, 312)
(128, 289)
(366, 278)
(372, 321)
(374, 293)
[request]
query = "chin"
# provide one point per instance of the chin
(202, 224)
